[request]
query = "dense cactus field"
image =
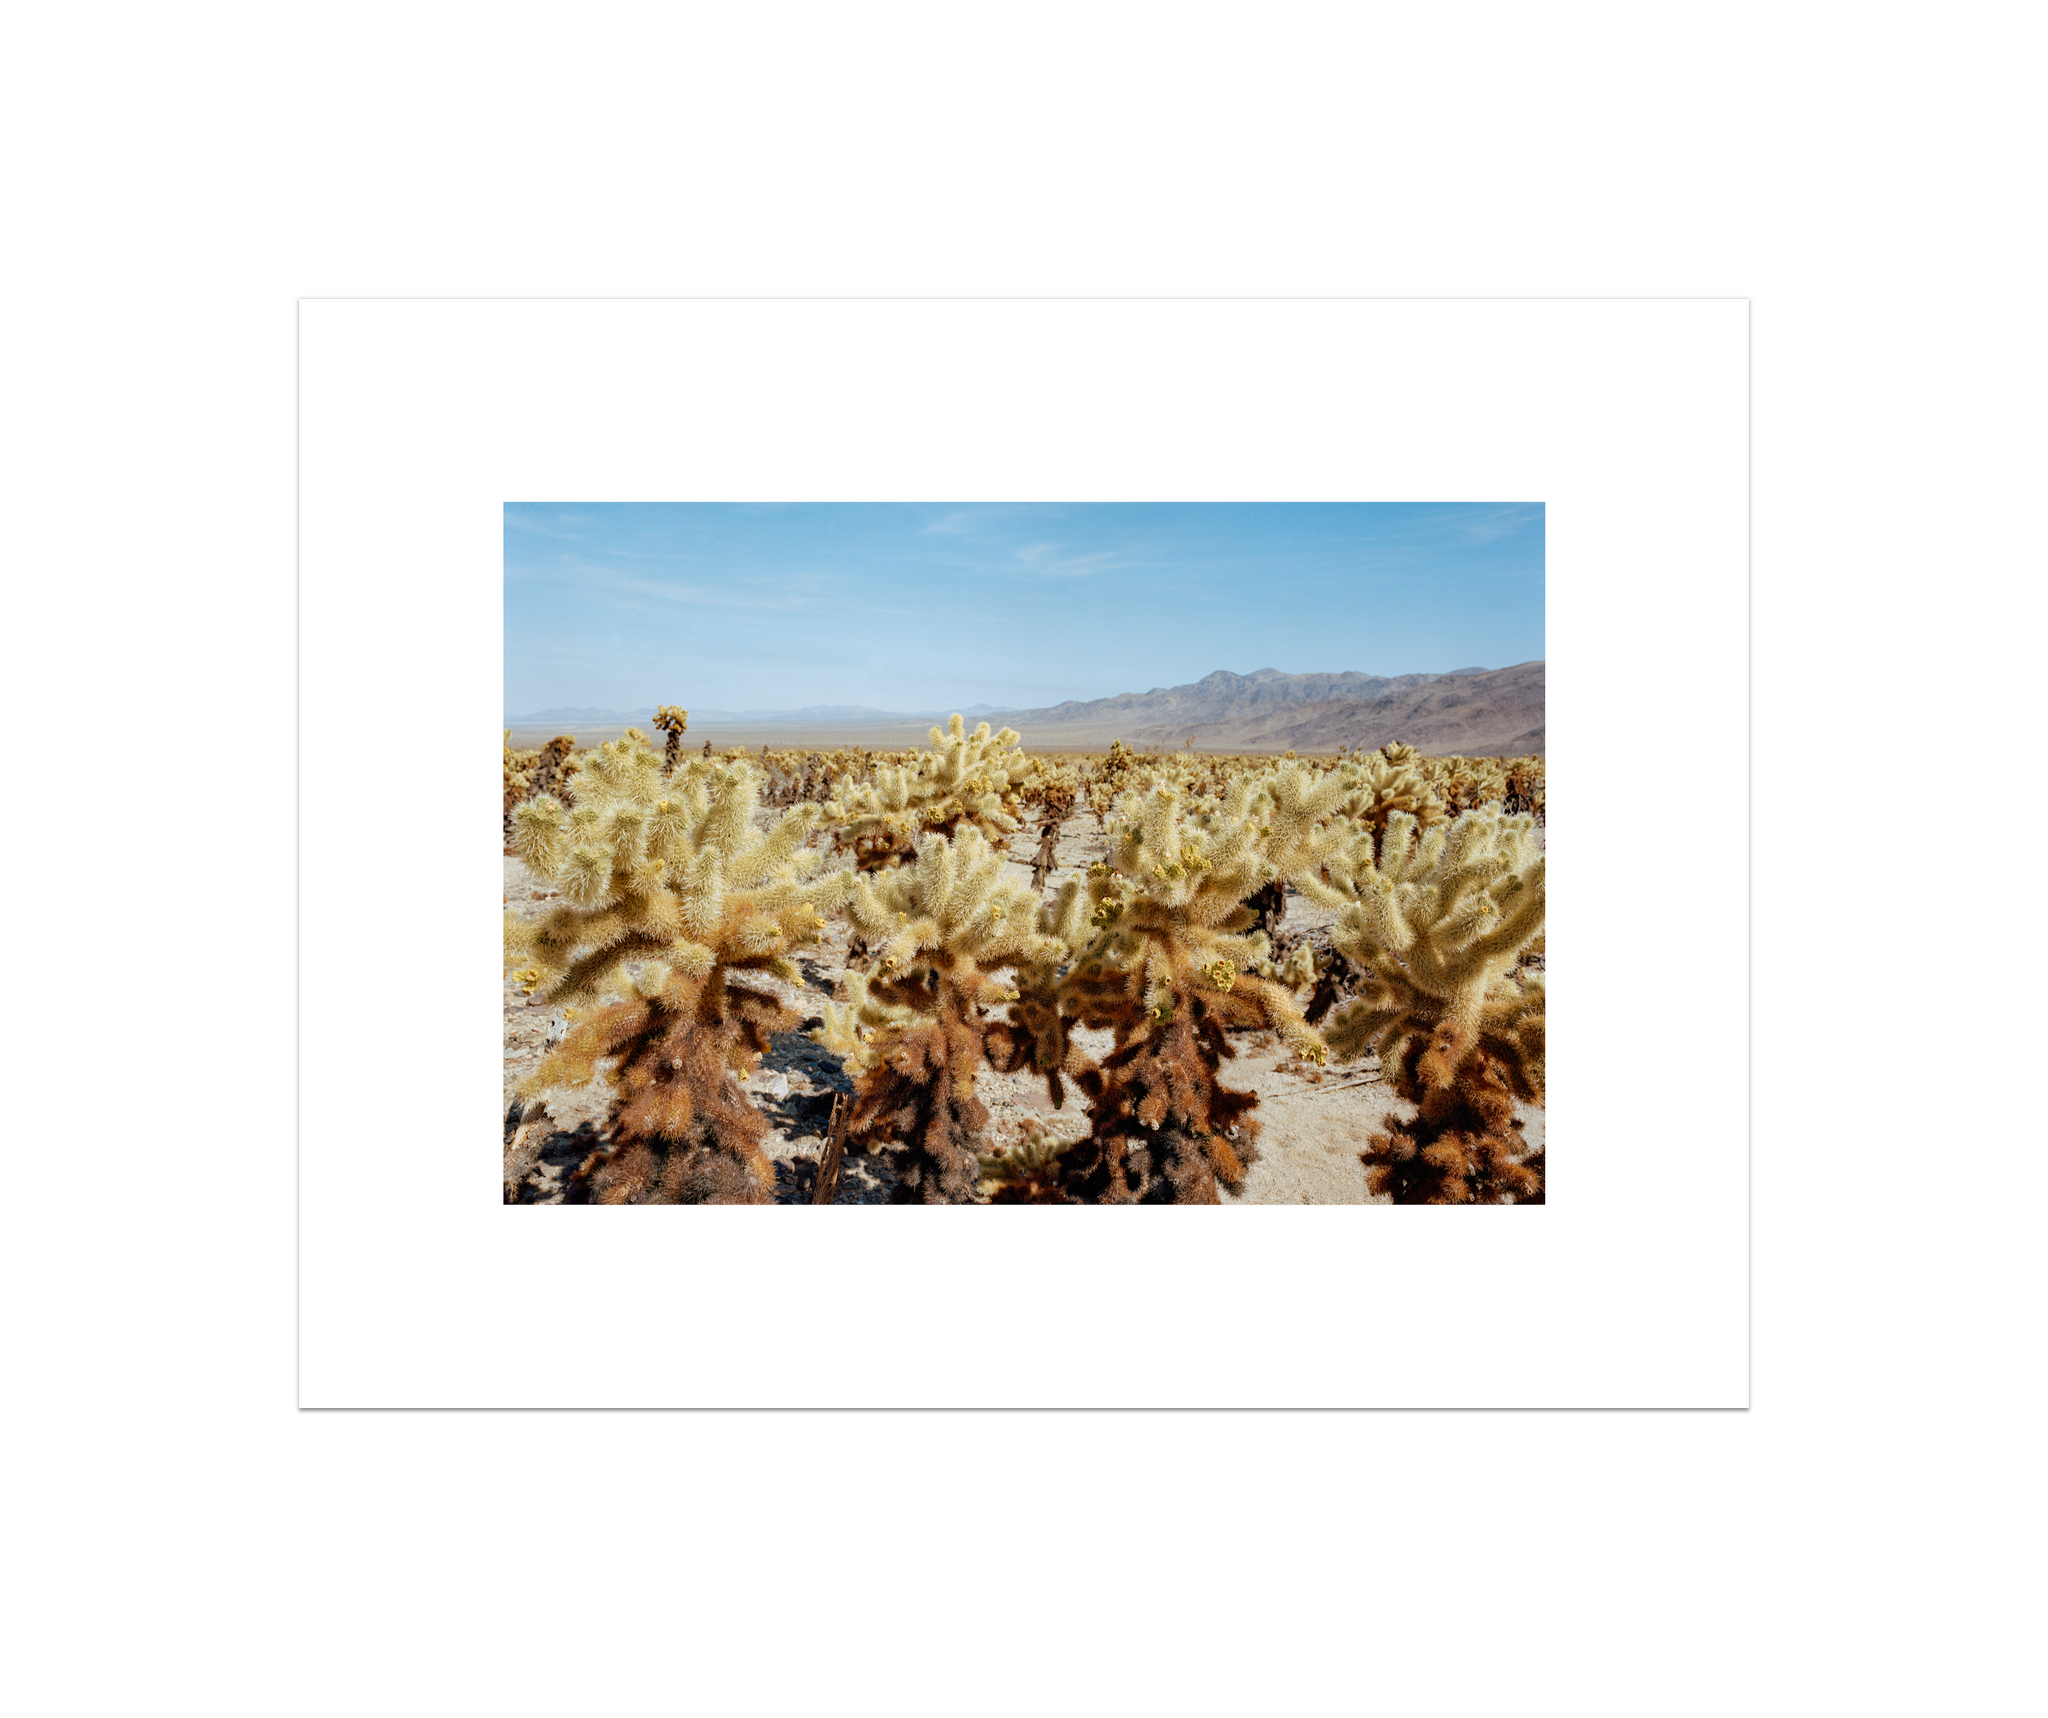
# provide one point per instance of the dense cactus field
(970, 974)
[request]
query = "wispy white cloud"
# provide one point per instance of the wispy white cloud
(1049, 562)
(1473, 525)
(986, 517)
(1490, 524)
(1431, 530)
(552, 527)
(784, 594)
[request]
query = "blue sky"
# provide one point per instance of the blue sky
(924, 607)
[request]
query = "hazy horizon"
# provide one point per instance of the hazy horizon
(825, 712)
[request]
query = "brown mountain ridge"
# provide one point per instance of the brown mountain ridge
(1478, 712)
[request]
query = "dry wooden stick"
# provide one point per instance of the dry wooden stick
(1316, 1091)
(835, 1151)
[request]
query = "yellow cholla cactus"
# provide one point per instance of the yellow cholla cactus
(1296, 970)
(1169, 971)
(672, 720)
(1440, 920)
(1053, 788)
(861, 1028)
(1037, 1035)
(519, 768)
(672, 898)
(1437, 923)
(1393, 779)
(912, 1030)
(965, 780)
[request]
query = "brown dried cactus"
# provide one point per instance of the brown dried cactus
(1170, 975)
(913, 1033)
(672, 898)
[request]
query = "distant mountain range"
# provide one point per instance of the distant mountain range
(1476, 711)
(809, 713)
(1227, 697)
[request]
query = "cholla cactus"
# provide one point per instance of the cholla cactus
(965, 780)
(1292, 967)
(1168, 974)
(1525, 787)
(912, 1032)
(1037, 1034)
(1388, 781)
(1462, 786)
(558, 763)
(1109, 779)
(528, 773)
(518, 760)
(518, 781)
(1437, 924)
(1468, 783)
(672, 720)
(1027, 1173)
(1053, 789)
(672, 896)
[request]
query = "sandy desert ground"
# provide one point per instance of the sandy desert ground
(1313, 1128)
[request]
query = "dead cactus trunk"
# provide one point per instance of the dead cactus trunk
(1042, 862)
(834, 1154)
